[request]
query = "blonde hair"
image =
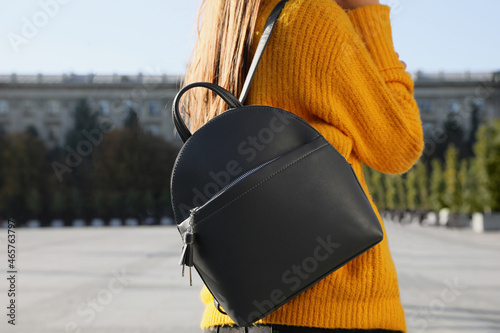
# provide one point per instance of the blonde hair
(221, 55)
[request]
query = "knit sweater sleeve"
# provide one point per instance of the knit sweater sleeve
(364, 89)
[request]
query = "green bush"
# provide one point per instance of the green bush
(400, 198)
(436, 186)
(451, 193)
(390, 192)
(493, 166)
(422, 185)
(411, 189)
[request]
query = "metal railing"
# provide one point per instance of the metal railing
(174, 79)
(88, 79)
(456, 77)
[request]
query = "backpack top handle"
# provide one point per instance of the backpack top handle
(229, 98)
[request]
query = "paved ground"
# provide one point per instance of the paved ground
(449, 279)
(126, 280)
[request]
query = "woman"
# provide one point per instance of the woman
(333, 64)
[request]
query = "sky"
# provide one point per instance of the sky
(156, 36)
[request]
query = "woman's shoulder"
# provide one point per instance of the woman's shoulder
(300, 4)
(316, 12)
(313, 8)
(303, 18)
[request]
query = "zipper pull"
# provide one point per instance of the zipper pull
(187, 249)
(187, 254)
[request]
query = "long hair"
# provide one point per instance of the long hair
(221, 55)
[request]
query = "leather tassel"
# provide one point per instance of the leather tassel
(187, 254)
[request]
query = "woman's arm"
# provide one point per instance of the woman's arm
(353, 4)
(362, 28)
(364, 90)
(388, 126)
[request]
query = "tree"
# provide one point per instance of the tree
(400, 192)
(164, 202)
(133, 203)
(78, 142)
(390, 192)
(31, 130)
(493, 166)
(376, 188)
(132, 120)
(34, 203)
(115, 204)
(77, 205)
(463, 192)
(99, 204)
(149, 203)
(454, 131)
(451, 194)
(453, 134)
(23, 169)
(128, 160)
(480, 197)
(422, 186)
(411, 189)
(436, 186)
(475, 121)
(4, 149)
(58, 204)
(86, 121)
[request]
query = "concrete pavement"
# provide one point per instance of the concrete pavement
(449, 278)
(126, 280)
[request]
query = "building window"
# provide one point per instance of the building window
(53, 107)
(454, 106)
(127, 104)
(154, 129)
(4, 107)
(477, 104)
(104, 108)
(27, 108)
(154, 108)
(425, 105)
(428, 128)
(54, 133)
(71, 107)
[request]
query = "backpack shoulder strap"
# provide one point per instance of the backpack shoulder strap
(179, 123)
(268, 29)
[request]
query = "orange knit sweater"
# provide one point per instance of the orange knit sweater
(340, 73)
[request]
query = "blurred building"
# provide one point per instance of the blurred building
(443, 95)
(47, 102)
